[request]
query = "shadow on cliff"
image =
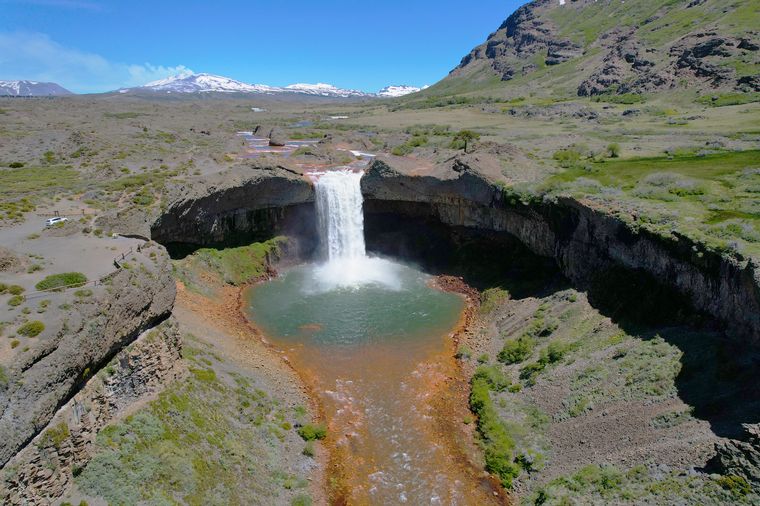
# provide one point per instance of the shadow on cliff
(717, 376)
(717, 373)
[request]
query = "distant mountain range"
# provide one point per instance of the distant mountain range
(209, 83)
(31, 89)
(189, 83)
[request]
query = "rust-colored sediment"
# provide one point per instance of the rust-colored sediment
(224, 313)
(441, 388)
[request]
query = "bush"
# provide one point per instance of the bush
(493, 377)
(311, 432)
(16, 300)
(15, 290)
(498, 446)
(16, 165)
(31, 329)
(613, 150)
(301, 500)
(737, 485)
(517, 350)
(567, 157)
(58, 281)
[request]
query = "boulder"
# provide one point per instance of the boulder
(277, 137)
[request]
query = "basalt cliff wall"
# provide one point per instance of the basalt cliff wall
(584, 240)
(136, 297)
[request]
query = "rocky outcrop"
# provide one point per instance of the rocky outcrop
(584, 241)
(626, 59)
(133, 299)
(523, 35)
(44, 470)
(133, 221)
(741, 457)
(238, 206)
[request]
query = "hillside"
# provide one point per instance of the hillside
(590, 48)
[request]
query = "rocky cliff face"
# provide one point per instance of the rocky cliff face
(43, 471)
(585, 242)
(237, 207)
(511, 49)
(626, 47)
(135, 298)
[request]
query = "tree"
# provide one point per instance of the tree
(463, 137)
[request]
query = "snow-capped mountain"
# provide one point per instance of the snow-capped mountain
(208, 83)
(398, 91)
(190, 82)
(325, 90)
(31, 89)
(201, 83)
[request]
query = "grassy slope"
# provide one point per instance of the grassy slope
(577, 366)
(212, 438)
(584, 22)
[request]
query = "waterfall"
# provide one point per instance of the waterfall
(339, 214)
(340, 223)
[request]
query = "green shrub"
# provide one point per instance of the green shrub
(15, 344)
(491, 298)
(567, 157)
(3, 288)
(613, 150)
(16, 300)
(493, 377)
(463, 352)
(31, 329)
(55, 435)
(58, 281)
(308, 450)
(83, 293)
(738, 486)
(301, 500)
(517, 350)
(498, 446)
(312, 432)
(15, 290)
(16, 165)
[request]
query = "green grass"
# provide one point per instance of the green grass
(233, 265)
(626, 172)
(63, 280)
(727, 99)
(498, 446)
(31, 329)
(312, 432)
(205, 440)
(595, 484)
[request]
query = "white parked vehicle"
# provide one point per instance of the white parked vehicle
(54, 221)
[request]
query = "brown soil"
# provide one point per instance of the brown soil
(220, 320)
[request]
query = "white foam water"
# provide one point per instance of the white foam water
(340, 219)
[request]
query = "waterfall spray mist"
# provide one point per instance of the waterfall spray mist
(340, 219)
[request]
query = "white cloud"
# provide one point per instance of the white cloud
(35, 56)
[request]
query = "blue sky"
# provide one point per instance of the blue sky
(94, 46)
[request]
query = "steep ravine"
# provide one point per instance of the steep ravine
(585, 242)
(455, 220)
